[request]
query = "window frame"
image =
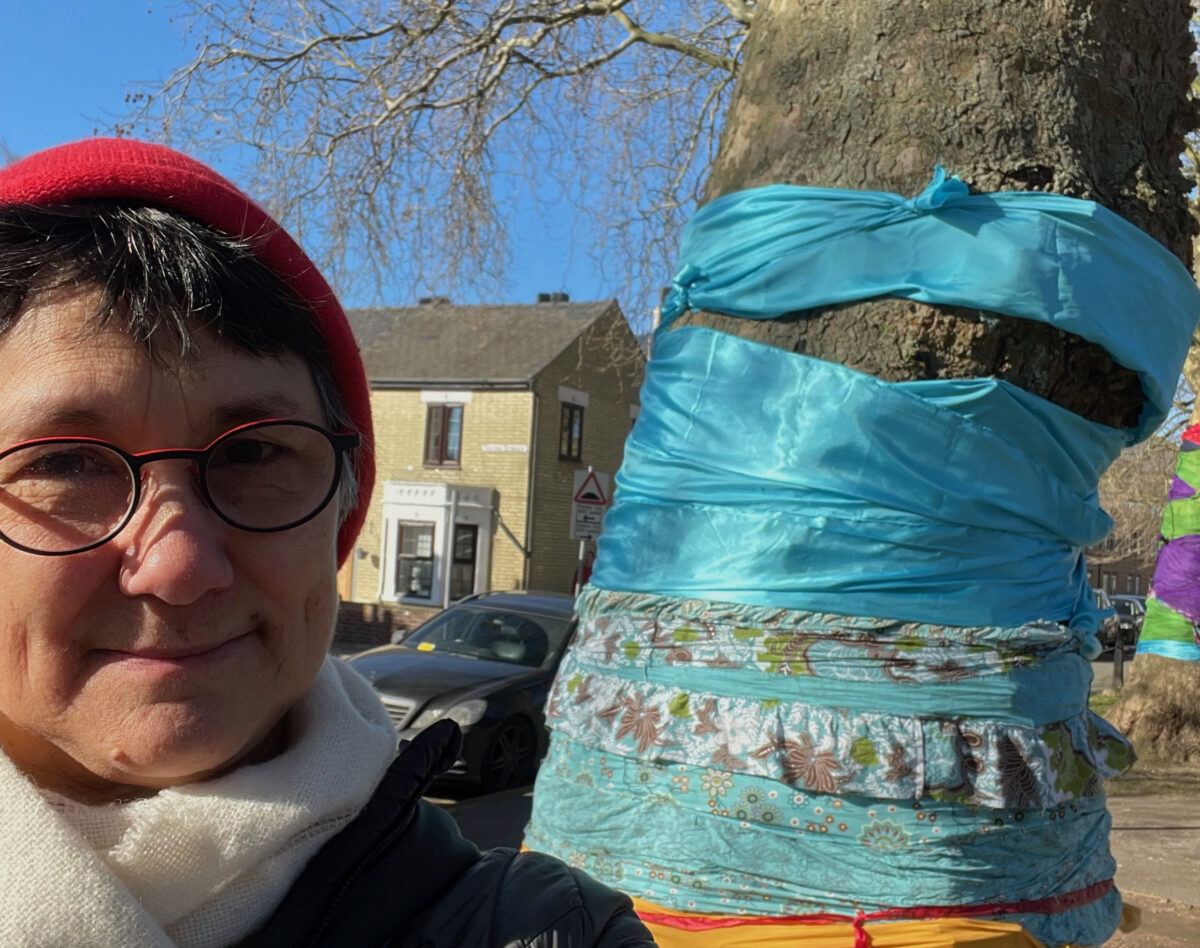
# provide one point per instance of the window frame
(570, 448)
(400, 591)
(439, 415)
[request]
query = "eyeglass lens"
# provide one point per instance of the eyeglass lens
(59, 497)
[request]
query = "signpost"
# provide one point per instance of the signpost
(589, 499)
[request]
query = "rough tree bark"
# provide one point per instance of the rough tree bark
(1087, 98)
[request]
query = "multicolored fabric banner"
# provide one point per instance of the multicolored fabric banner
(1172, 624)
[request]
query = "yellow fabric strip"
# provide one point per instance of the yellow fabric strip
(935, 933)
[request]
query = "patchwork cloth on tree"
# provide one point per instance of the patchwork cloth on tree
(910, 729)
(1172, 623)
(728, 791)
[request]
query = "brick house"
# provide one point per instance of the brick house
(1128, 576)
(483, 415)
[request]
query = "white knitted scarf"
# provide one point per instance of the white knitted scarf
(197, 866)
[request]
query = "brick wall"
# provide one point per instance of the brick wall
(607, 364)
(1123, 577)
(490, 418)
(364, 625)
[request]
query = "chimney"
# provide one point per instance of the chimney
(553, 298)
(434, 301)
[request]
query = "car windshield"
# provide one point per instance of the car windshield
(1127, 607)
(500, 635)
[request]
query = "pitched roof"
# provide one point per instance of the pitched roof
(446, 343)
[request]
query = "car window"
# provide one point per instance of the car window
(1128, 607)
(499, 635)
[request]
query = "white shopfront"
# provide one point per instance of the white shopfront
(437, 542)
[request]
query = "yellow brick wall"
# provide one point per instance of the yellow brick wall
(606, 363)
(491, 417)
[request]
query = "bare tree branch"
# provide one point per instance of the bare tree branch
(741, 10)
(673, 43)
(402, 138)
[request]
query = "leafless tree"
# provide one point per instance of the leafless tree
(402, 139)
(1133, 492)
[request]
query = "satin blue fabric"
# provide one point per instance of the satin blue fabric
(759, 476)
(1184, 651)
(766, 251)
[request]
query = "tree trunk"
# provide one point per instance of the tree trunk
(1087, 99)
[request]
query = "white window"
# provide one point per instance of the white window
(414, 561)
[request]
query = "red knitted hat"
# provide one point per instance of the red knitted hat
(121, 168)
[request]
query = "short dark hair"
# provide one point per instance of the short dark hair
(165, 277)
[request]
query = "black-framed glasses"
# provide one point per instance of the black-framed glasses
(68, 495)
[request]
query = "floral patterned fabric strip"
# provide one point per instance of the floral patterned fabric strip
(748, 690)
(686, 730)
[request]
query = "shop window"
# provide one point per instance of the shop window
(462, 565)
(570, 436)
(443, 435)
(414, 561)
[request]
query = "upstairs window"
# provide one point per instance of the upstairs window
(443, 435)
(570, 435)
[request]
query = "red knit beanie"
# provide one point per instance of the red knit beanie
(120, 168)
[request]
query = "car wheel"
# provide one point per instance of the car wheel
(510, 757)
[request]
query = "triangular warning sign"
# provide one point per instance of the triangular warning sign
(590, 491)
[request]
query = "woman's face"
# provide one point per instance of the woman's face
(172, 651)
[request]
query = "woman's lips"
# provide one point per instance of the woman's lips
(185, 657)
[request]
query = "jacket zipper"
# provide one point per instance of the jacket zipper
(390, 835)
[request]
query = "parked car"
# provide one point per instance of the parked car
(1125, 618)
(1107, 634)
(1131, 611)
(487, 663)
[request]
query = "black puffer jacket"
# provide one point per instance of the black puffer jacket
(402, 876)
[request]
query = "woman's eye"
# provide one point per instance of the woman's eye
(69, 464)
(247, 451)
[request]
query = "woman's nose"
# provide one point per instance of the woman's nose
(174, 547)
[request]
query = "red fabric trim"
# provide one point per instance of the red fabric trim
(1044, 906)
(100, 168)
(1192, 433)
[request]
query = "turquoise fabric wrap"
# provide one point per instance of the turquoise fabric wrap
(755, 475)
(766, 251)
(701, 777)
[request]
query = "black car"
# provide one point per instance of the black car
(487, 662)
(1131, 610)
(1124, 619)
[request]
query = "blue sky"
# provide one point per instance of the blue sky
(67, 65)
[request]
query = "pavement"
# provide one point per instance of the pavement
(1156, 842)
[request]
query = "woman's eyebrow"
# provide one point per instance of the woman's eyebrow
(87, 421)
(258, 408)
(66, 418)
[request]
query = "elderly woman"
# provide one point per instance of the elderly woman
(185, 456)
